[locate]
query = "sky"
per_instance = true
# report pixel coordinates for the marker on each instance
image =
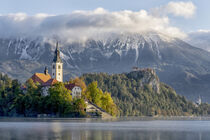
(201, 20)
(175, 16)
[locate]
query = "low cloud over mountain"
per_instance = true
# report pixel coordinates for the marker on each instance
(90, 24)
(107, 41)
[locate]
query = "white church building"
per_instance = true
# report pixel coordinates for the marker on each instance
(46, 80)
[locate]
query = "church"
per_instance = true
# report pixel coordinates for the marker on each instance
(46, 80)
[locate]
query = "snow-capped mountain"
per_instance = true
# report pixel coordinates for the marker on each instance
(200, 39)
(184, 67)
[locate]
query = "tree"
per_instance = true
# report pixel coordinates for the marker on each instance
(80, 82)
(94, 94)
(79, 106)
(108, 104)
(135, 97)
(60, 99)
(103, 100)
(31, 86)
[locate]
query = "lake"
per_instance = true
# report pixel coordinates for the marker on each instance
(111, 129)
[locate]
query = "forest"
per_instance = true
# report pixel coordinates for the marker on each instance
(134, 97)
(15, 102)
(126, 94)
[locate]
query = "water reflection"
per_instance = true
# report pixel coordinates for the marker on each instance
(100, 130)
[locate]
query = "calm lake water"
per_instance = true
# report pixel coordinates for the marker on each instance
(97, 129)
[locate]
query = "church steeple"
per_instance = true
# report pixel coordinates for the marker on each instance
(57, 65)
(57, 55)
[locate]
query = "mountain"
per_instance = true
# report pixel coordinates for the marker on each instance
(199, 39)
(177, 63)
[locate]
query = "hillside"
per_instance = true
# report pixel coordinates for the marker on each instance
(141, 93)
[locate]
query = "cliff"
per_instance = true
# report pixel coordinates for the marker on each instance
(147, 77)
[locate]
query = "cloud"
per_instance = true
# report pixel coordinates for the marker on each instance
(202, 31)
(81, 25)
(183, 9)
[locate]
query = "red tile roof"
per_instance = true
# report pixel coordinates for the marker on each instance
(40, 78)
(71, 86)
(50, 82)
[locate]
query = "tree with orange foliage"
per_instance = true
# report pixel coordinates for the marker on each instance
(80, 82)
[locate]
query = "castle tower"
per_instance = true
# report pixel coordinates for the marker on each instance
(57, 66)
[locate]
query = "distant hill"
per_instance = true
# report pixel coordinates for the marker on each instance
(141, 93)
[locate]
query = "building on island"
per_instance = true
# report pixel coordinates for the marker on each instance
(41, 78)
(198, 102)
(47, 85)
(57, 66)
(76, 90)
(46, 80)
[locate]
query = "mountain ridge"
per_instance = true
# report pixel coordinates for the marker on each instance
(176, 62)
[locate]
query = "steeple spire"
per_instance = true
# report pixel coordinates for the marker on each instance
(57, 45)
(57, 54)
(57, 65)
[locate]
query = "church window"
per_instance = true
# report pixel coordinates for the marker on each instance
(58, 73)
(59, 67)
(53, 66)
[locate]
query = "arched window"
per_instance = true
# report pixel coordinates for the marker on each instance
(53, 66)
(59, 67)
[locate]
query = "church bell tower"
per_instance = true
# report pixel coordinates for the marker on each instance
(57, 66)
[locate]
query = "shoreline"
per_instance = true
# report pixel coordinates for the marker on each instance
(133, 118)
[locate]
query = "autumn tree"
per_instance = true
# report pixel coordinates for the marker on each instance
(108, 104)
(94, 94)
(80, 82)
(103, 100)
